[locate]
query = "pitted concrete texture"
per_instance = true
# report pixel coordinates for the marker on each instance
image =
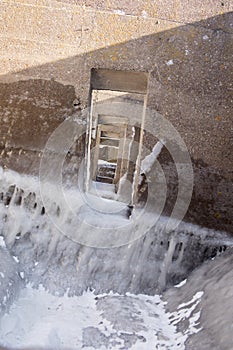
(44, 31)
(175, 10)
(49, 48)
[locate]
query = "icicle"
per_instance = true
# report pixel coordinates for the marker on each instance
(167, 262)
(149, 160)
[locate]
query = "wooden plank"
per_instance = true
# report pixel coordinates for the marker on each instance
(112, 120)
(96, 156)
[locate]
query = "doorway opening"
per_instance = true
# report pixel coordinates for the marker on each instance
(109, 149)
(114, 141)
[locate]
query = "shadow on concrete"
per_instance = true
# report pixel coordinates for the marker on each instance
(190, 84)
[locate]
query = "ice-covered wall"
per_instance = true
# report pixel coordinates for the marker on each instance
(50, 47)
(214, 279)
(47, 256)
(10, 279)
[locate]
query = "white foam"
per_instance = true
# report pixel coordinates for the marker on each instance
(39, 319)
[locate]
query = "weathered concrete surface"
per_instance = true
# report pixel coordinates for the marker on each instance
(216, 321)
(49, 48)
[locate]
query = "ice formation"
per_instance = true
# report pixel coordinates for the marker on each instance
(109, 321)
(49, 257)
(149, 160)
(65, 281)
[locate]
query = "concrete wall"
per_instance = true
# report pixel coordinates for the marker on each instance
(49, 48)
